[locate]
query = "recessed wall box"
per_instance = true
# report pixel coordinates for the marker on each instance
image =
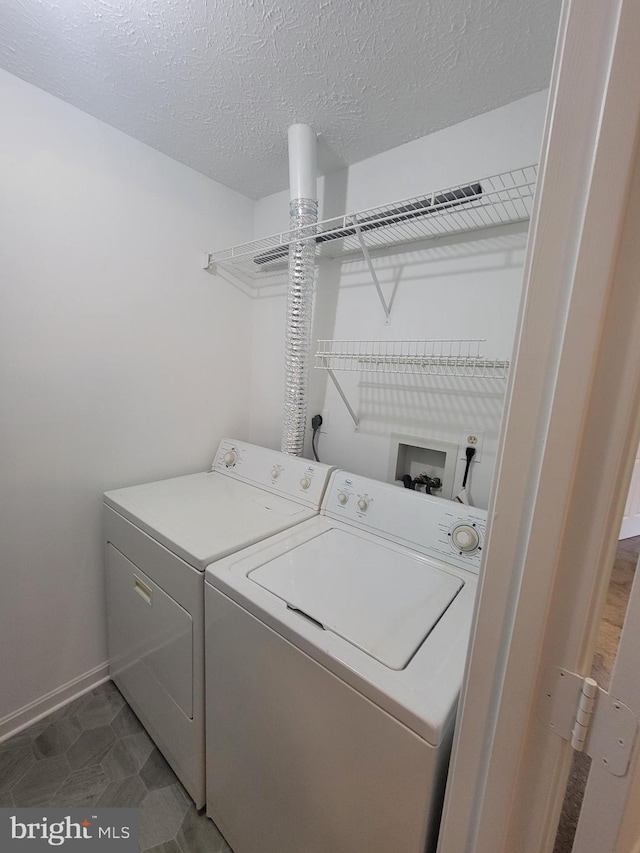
(415, 455)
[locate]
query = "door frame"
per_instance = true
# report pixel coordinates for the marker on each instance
(567, 446)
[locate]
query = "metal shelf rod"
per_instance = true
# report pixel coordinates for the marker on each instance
(372, 270)
(354, 417)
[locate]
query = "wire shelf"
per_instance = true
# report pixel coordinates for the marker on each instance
(494, 200)
(437, 357)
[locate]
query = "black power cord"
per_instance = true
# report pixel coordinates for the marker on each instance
(470, 452)
(316, 423)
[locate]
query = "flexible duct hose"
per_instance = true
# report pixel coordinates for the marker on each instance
(303, 218)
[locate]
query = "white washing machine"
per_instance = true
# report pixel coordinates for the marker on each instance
(334, 658)
(160, 537)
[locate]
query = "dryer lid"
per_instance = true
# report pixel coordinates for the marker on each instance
(203, 517)
(381, 600)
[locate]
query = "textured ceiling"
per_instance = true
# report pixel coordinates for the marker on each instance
(215, 83)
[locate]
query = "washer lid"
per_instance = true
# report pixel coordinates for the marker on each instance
(382, 601)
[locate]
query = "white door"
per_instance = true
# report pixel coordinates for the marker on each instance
(569, 437)
(609, 818)
(631, 518)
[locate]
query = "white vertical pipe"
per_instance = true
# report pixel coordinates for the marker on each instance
(302, 162)
(303, 212)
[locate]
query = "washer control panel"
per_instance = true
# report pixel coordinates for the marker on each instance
(446, 530)
(289, 476)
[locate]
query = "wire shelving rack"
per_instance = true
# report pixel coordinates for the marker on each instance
(491, 201)
(428, 357)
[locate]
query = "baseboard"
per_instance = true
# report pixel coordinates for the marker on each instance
(45, 705)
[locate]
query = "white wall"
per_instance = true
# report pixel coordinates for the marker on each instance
(458, 288)
(121, 362)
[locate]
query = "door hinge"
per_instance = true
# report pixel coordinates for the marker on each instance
(592, 720)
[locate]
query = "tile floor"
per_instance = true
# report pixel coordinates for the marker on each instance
(95, 752)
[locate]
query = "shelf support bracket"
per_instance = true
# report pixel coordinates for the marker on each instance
(354, 417)
(207, 262)
(367, 257)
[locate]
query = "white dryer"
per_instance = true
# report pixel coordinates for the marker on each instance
(160, 537)
(334, 658)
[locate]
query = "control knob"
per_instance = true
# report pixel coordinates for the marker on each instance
(275, 473)
(305, 482)
(465, 538)
(363, 504)
(229, 458)
(343, 497)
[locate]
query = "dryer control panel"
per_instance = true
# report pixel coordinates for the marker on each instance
(289, 476)
(445, 530)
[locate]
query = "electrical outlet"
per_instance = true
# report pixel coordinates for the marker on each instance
(471, 438)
